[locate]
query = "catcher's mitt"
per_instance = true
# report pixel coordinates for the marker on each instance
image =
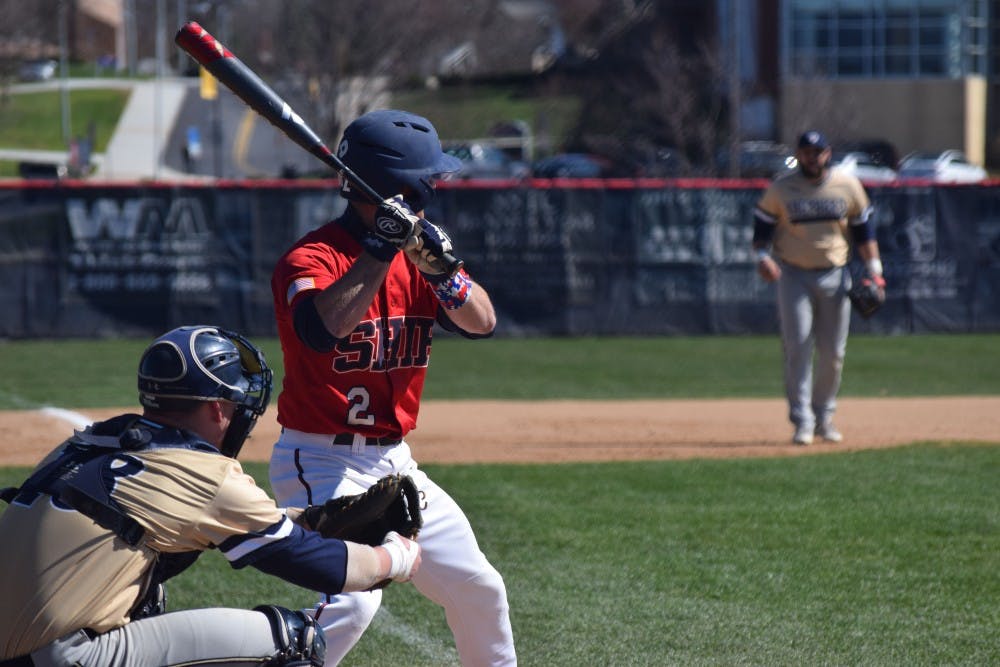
(392, 503)
(867, 295)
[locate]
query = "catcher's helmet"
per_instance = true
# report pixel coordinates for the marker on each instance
(205, 363)
(394, 150)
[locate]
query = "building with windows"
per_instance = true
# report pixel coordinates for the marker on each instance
(916, 73)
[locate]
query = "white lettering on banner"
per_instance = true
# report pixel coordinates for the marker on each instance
(511, 223)
(988, 240)
(735, 286)
(932, 280)
(707, 227)
(139, 245)
(915, 239)
(654, 288)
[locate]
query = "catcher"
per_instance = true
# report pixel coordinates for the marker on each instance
(127, 503)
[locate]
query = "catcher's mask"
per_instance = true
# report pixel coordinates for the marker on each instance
(395, 152)
(206, 363)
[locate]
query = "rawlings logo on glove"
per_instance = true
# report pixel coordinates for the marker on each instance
(395, 222)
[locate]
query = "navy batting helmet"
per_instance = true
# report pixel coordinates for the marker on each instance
(206, 363)
(394, 151)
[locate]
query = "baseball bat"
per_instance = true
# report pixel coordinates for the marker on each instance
(235, 75)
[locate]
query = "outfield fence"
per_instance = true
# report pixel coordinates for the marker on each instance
(580, 257)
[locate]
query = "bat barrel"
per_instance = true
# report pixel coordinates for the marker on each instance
(239, 78)
(197, 41)
(235, 75)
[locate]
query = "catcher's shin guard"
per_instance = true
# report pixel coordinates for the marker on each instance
(300, 640)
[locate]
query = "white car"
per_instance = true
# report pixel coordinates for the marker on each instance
(949, 166)
(864, 167)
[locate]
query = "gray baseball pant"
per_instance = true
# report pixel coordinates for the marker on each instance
(815, 316)
(214, 636)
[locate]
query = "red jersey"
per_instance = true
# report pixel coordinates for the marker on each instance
(371, 382)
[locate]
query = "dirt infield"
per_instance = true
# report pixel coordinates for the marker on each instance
(551, 431)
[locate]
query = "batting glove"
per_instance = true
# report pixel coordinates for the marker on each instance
(430, 245)
(404, 554)
(395, 222)
(378, 247)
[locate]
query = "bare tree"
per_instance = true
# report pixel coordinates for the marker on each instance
(28, 30)
(340, 57)
(814, 103)
(652, 85)
(683, 100)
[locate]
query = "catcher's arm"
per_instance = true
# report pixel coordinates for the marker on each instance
(396, 559)
(386, 516)
(368, 567)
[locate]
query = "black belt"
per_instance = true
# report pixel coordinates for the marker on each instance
(20, 661)
(348, 439)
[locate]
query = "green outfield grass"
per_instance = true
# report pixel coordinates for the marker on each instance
(84, 374)
(880, 557)
(883, 557)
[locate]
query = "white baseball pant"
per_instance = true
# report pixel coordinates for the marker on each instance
(307, 469)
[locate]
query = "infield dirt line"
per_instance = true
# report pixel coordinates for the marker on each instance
(545, 431)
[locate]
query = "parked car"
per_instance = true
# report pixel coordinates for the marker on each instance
(864, 166)
(481, 160)
(950, 166)
(41, 69)
(883, 151)
(42, 170)
(572, 165)
(759, 159)
(658, 162)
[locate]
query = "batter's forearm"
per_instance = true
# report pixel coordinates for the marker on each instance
(343, 304)
(476, 315)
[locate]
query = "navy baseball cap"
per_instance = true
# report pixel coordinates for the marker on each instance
(813, 139)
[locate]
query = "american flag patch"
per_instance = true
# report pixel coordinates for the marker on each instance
(299, 285)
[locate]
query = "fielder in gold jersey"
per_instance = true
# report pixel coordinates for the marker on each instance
(120, 507)
(804, 227)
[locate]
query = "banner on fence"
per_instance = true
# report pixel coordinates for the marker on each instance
(121, 260)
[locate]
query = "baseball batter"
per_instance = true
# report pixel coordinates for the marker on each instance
(122, 506)
(803, 228)
(356, 302)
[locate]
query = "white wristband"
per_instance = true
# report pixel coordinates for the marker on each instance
(762, 254)
(402, 553)
(875, 266)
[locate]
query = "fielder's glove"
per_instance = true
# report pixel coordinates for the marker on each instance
(391, 504)
(867, 294)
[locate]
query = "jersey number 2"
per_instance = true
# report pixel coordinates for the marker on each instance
(358, 413)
